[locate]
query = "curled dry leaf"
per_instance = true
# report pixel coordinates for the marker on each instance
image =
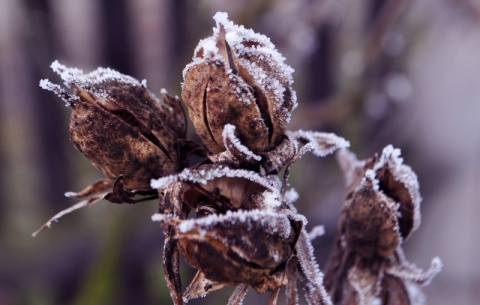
(381, 210)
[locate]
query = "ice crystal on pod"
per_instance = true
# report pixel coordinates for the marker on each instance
(204, 176)
(273, 223)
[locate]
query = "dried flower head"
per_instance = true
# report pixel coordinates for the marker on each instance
(244, 232)
(381, 210)
(237, 77)
(120, 126)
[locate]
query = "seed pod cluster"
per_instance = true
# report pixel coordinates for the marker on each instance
(228, 214)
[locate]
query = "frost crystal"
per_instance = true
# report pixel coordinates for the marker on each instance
(203, 176)
(93, 82)
(232, 143)
(271, 222)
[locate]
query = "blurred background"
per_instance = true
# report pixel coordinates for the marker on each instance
(376, 72)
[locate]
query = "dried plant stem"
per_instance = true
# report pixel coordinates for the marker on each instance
(84, 203)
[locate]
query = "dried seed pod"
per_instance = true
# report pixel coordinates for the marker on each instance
(237, 77)
(221, 188)
(121, 127)
(381, 210)
(242, 247)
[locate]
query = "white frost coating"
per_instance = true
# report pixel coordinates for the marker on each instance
(274, 77)
(271, 223)
(160, 217)
(209, 47)
(203, 176)
(232, 143)
(415, 294)
(291, 195)
(92, 82)
(323, 143)
(144, 83)
(391, 159)
(410, 272)
(59, 91)
(317, 231)
(369, 178)
(271, 200)
(310, 268)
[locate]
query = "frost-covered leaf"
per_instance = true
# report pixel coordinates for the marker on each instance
(319, 143)
(409, 272)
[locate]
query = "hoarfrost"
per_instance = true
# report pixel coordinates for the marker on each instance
(404, 174)
(320, 143)
(246, 46)
(59, 91)
(233, 144)
(410, 272)
(272, 223)
(317, 231)
(316, 293)
(271, 200)
(291, 195)
(203, 176)
(92, 82)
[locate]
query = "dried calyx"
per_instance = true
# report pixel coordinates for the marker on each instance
(238, 78)
(121, 127)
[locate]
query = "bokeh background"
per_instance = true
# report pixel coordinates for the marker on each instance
(373, 71)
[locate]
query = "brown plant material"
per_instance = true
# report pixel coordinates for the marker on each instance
(245, 232)
(229, 215)
(381, 210)
(121, 127)
(237, 77)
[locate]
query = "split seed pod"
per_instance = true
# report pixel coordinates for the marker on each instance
(237, 77)
(242, 247)
(120, 126)
(383, 203)
(381, 210)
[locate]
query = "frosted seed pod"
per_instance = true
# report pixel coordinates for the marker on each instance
(237, 77)
(120, 126)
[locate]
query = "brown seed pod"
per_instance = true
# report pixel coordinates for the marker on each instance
(381, 210)
(243, 247)
(121, 127)
(237, 77)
